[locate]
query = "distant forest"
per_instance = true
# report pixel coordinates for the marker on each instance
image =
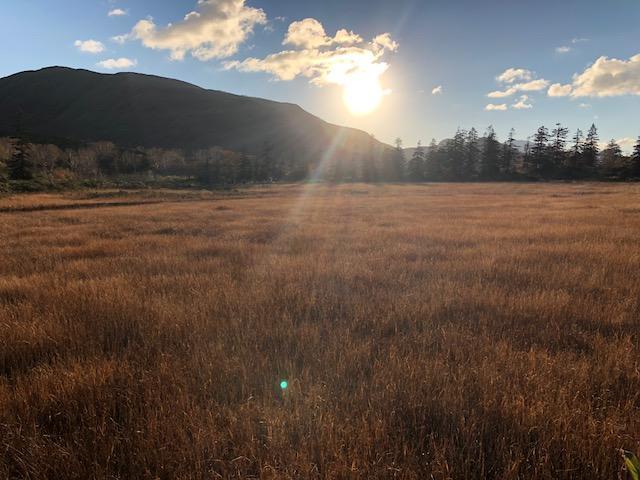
(548, 155)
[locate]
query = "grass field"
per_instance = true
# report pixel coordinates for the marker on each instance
(425, 331)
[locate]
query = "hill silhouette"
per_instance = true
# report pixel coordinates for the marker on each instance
(59, 104)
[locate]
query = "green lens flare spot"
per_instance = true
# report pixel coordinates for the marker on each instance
(284, 384)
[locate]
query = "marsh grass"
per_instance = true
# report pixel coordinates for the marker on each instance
(430, 331)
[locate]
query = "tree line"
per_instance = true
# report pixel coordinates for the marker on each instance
(467, 156)
(547, 155)
(25, 162)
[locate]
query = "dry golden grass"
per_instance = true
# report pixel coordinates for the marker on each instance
(433, 331)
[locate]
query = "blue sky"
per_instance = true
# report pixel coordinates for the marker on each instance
(460, 46)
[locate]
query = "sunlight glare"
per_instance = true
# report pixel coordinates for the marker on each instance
(363, 94)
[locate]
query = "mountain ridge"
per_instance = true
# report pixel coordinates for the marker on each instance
(134, 109)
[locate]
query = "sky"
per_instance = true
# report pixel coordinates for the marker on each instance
(414, 69)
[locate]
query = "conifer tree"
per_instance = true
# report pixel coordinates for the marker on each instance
(574, 159)
(590, 151)
(416, 167)
(456, 156)
(433, 162)
(20, 165)
(539, 152)
(397, 161)
(612, 160)
(490, 155)
(558, 149)
(472, 155)
(634, 164)
(508, 155)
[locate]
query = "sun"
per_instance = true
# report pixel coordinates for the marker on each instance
(363, 94)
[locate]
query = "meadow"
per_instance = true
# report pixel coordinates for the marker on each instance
(433, 331)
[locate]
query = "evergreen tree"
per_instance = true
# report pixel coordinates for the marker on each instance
(590, 151)
(20, 165)
(456, 156)
(433, 162)
(416, 167)
(574, 160)
(634, 164)
(539, 152)
(490, 155)
(508, 155)
(472, 155)
(558, 149)
(397, 161)
(612, 160)
(369, 167)
(527, 159)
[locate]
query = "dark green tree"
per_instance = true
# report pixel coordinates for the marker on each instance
(527, 159)
(540, 152)
(397, 162)
(456, 152)
(21, 166)
(472, 159)
(369, 167)
(590, 151)
(634, 161)
(574, 159)
(433, 170)
(612, 160)
(416, 167)
(490, 155)
(558, 154)
(508, 155)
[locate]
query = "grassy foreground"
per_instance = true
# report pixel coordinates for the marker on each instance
(430, 331)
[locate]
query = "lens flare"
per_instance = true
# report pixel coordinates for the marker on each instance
(284, 384)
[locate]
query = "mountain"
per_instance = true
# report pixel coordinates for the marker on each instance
(58, 104)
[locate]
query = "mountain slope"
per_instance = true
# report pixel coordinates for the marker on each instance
(132, 109)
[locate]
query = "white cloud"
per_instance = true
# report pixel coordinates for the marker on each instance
(437, 90)
(563, 49)
(322, 59)
(89, 46)
(627, 144)
(345, 37)
(608, 77)
(494, 106)
(522, 104)
(216, 30)
(532, 86)
(120, 38)
(516, 80)
(559, 90)
(117, 63)
(502, 93)
(585, 105)
(309, 33)
(117, 12)
(579, 40)
(510, 75)
(384, 42)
